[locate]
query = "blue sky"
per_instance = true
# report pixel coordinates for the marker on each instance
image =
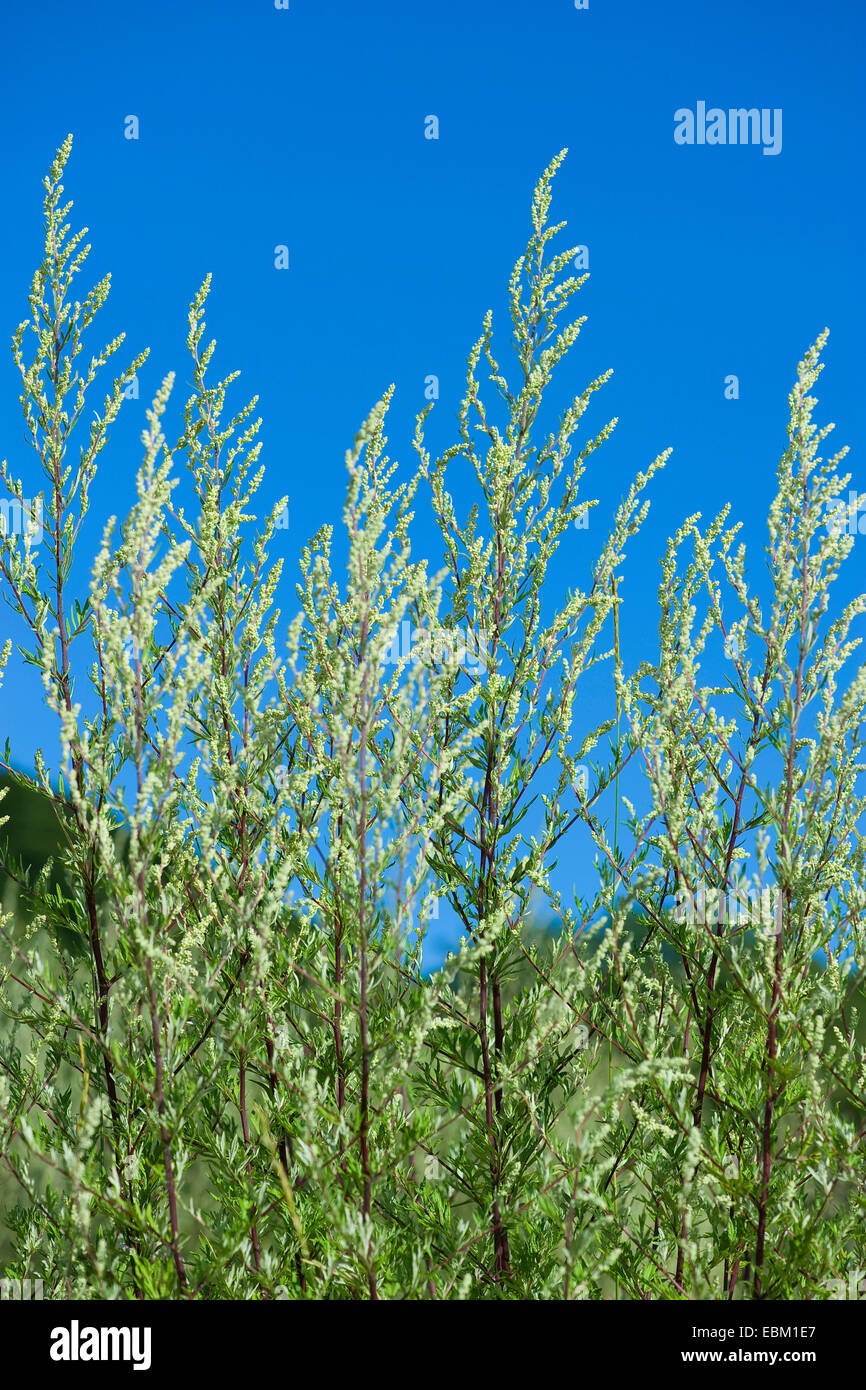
(306, 127)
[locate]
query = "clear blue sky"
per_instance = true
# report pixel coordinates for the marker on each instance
(306, 127)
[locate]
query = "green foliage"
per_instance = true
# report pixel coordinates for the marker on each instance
(224, 1070)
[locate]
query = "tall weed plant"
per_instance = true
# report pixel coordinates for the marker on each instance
(225, 1072)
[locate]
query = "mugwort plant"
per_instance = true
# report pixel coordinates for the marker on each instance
(225, 1071)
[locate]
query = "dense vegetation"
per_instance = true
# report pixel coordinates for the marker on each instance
(224, 1070)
